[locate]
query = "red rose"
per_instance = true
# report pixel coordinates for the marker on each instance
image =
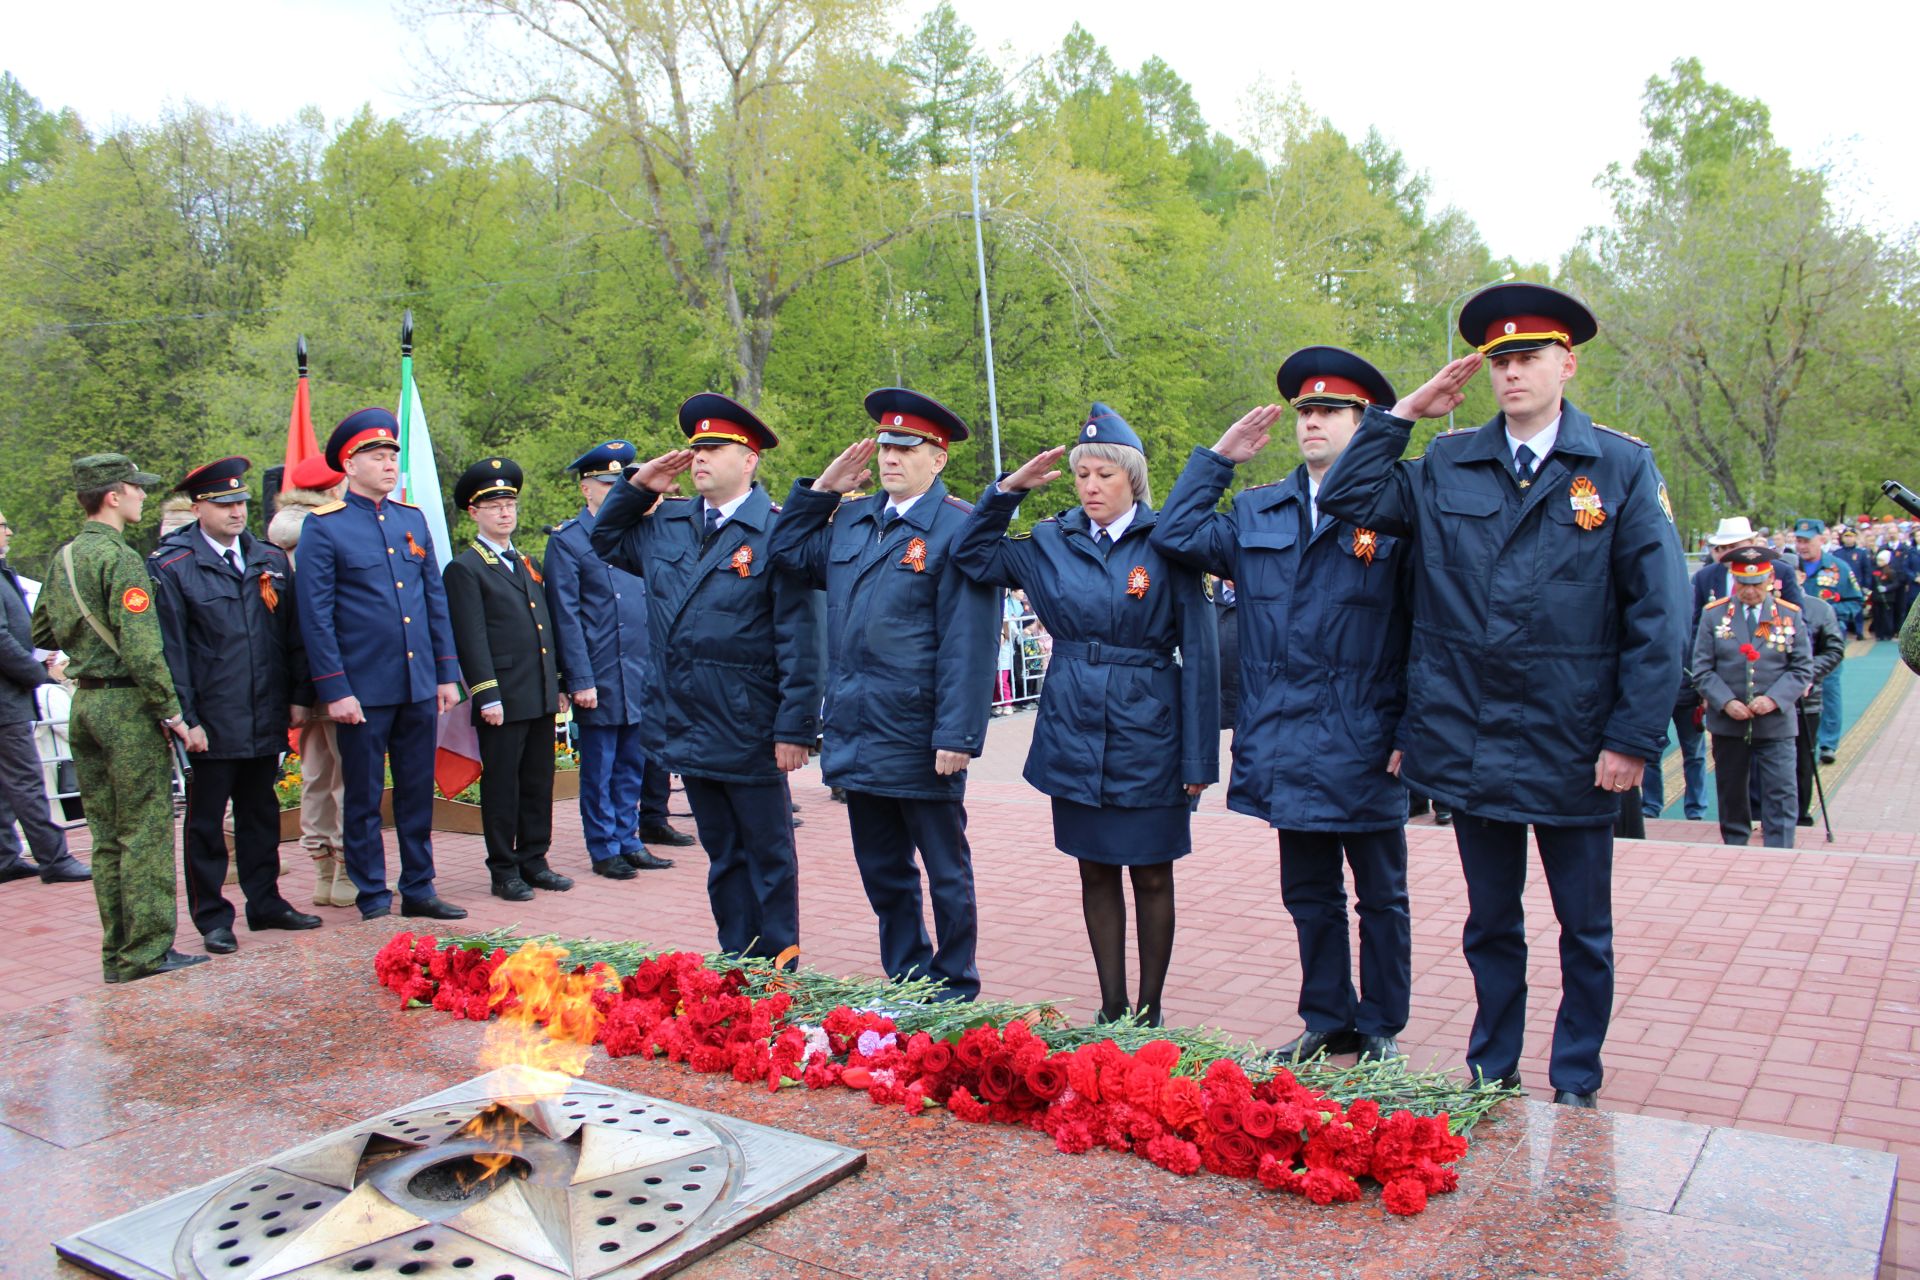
(974, 1047)
(1257, 1118)
(1236, 1154)
(997, 1077)
(1224, 1115)
(1405, 1196)
(937, 1059)
(1047, 1079)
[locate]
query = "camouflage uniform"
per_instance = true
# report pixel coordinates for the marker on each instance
(1910, 639)
(119, 749)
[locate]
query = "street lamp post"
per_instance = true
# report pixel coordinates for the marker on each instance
(1458, 297)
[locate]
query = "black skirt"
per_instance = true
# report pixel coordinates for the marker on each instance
(1122, 837)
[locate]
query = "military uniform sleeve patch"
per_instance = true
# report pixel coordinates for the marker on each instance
(1666, 504)
(135, 600)
(329, 508)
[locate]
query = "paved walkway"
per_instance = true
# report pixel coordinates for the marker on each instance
(1767, 989)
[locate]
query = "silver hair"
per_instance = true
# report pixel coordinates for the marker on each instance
(1130, 460)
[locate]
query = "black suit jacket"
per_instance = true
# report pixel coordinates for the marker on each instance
(20, 675)
(503, 633)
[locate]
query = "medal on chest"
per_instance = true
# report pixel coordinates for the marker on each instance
(1725, 630)
(1588, 512)
(916, 557)
(1366, 543)
(1138, 582)
(742, 561)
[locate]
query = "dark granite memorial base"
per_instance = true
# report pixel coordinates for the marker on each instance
(118, 1099)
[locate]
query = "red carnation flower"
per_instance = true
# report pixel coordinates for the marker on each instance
(1275, 1175)
(1750, 653)
(1181, 1103)
(969, 1108)
(1161, 1055)
(1074, 1139)
(1174, 1155)
(1329, 1186)
(1405, 1196)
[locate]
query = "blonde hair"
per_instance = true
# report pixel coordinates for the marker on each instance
(1128, 459)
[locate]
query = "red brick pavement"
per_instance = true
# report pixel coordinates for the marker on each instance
(1772, 990)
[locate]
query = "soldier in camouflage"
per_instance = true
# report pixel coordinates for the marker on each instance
(97, 605)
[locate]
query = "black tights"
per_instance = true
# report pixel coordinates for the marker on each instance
(1105, 906)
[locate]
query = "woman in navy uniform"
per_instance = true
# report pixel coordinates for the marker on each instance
(497, 597)
(912, 643)
(1549, 606)
(1127, 730)
(600, 621)
(734, 657)
(1324, 625)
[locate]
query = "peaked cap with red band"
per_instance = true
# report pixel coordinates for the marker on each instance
(217, 481)
(713, 419)
(1521, 317)
(1334, 377)
(907, 418)
(361, 430)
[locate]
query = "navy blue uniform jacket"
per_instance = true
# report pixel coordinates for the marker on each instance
(600, 618)
(373, 609)
(1120, 722)
(911, 650)
(1323, 648)
(733, 657)
(237, 662)
(1536, 643)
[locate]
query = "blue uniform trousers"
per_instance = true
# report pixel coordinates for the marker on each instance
(1830, 713)
(886, 831)
(1693, 770)
(753, 878)
(1313, 887)
(1579, 865)
(612, 772)
(405, 732)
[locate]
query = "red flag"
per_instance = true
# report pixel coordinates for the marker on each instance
(301, 443)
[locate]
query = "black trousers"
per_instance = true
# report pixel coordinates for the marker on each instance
(753, 877)
(1579, 866)
(886, 831)
(1804, 761)
(1313, 887)
(656, 784)
(516, 795)
(23, 796)
(256, 840)
(1771, 763)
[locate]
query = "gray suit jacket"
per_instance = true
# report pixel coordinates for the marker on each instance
(20, 675)
(1722, 673)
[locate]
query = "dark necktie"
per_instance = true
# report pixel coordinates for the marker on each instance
(1523, 461)
(891, 518)
(713, 523)
(1753, 618)
(1102, 543)
(508, 556)
(233, 559)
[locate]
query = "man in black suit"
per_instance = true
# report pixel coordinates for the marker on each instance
(1712, 581)
(501, 629)
(22, 792)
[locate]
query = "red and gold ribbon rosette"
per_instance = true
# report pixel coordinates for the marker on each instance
(742, 561)
(1366, 544)
(916, 557)
(1585, 501)
(414, 549)
(1138, 582)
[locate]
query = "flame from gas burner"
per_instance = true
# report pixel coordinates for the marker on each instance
(548, 1020)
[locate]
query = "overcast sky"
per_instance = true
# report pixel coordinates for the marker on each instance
(1511, 110)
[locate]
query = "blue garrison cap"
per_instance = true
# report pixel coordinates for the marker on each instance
(1808, 527)
(604, 461)
(1104, 426)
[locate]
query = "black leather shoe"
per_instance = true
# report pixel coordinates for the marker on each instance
(18, 871)
(1378, 1049)
(1442, 817)
(661, 833)
(514, 890)
(171, 962)
(1566, 1099)
(72, 871)
(615, 868)
(377, 913)
(288, 919)
(642, 860)
(219, 942)
(1308, 1043)
(1827, 757)
(1804, 821)
(436, 909)
(552, 881)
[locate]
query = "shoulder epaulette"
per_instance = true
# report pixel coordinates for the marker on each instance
(568, 523)
(1714, 604)
(164, 563)
(329, 508)
(1787, 604)
(1624, 435)
(961, 503)
(852, 495)
(1456, 431)
(1268, 485)
(399, 502)
(485, 555)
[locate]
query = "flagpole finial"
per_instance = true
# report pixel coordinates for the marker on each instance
(406, 333)
(300, 354)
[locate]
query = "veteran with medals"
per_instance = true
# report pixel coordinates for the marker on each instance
(911, 643)
(1324, 625)
(1752, 663)
(733, 658)
(1549, 619)
(1129, 722)
(497, 598)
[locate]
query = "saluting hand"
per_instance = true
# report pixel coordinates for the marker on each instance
(1037, 471)
(1442, 393)
(660, 474)
(1249, 436)
(849, 471)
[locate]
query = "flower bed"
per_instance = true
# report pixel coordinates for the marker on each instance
(1185, 1100)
